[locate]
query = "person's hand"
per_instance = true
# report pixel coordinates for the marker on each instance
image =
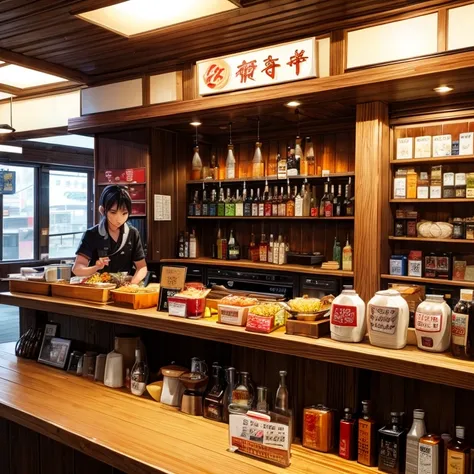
(102, 262)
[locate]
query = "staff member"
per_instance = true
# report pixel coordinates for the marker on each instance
(112, 244)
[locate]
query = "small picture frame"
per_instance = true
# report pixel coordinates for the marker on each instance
(54, 352)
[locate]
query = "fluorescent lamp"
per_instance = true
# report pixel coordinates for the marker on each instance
(22, 77)
(11, 149)
(133, 17)
(443, 89)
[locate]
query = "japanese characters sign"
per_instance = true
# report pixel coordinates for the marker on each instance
(261, 67)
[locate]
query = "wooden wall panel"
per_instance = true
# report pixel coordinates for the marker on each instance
(372, 194)
(55, 458)
(4, 446)
(24, 450)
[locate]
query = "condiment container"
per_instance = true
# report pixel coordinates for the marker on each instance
(433, 324)
(113, 376)
(172, 387)
(348, 323)
(318, 429)
(388, 318)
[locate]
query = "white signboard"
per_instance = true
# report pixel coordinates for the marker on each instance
(162, 207)
(260, 67)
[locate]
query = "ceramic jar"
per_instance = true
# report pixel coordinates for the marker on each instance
(348, 323)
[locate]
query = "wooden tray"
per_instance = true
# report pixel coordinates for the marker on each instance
(28, 286)
(135, 300)
(79, 292)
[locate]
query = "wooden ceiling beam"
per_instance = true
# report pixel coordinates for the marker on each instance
(43, 66)
(10, 89)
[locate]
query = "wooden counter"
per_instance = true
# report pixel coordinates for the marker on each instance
(409, 362)
(135, 435)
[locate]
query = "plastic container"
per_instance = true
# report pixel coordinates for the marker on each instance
(387, 319)
(433, 324)
(348, 323)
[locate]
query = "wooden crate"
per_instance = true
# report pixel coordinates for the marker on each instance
(79, 292)
(32, 287)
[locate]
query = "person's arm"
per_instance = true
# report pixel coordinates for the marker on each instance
(81, 266)
(140, 272)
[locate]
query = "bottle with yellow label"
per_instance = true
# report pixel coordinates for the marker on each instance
(458, 454)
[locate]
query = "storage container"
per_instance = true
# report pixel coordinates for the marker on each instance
(348, 323)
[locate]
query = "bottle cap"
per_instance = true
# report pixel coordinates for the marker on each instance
(418, 414)
(460, 432)
(347, 413)
(283, 373)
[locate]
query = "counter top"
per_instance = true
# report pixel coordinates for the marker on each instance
(135, 435)
(408, 362)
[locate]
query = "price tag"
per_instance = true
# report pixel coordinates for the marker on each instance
(177, 309)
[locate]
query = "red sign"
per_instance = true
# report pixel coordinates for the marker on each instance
(259, 323)
(137, 192)
(122, 176)
(342, 315)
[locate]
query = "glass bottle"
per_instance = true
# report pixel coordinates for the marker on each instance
(367, 437)
(282, 402)
(392, 446)
(233, 247)
(254, 204)
(348, 436)
(239, 205)
(229, 209)
(310, 157)
(262, 404)
(139, 375)
(301, 164)
(271, 243)
(281, 204)
(458, 454)
(247, 203)
(292, 168)
(214, 167)
(417, 431)
(276, 250)
(322, 203)
(263, 248)
(221, 204)
(254, 254)
(290, 204)
(257, 163)
(261, 204)
(347, 256)
(336, 252)
(214, 399)
(230, 379)
(462, 327)
(431, 455)
(181, 245)
(329, 204)
(196, 166)
(348, 203)
(273, 166)
(275, 202)
(197, 204)
(281, 251)
(205, 204)
(213, 204)
(339, 202)
(219, 244)
(299, 202)
(282, 170)
(230, 163)
(268, 203)
(311, 209)
(193, 245)
(242, 394)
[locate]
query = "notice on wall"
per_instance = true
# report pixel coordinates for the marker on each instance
(162, 207)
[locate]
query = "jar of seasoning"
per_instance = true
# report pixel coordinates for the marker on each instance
(400, 228)
(318, 428)
(411, 228)
(470, 228)
(458, 228)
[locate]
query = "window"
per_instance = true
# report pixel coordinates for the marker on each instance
(68, 212)
(18, 216)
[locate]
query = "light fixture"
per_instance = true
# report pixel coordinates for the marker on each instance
(4, 127)
(443, 89)
(196, 124)
(23, 77)
(293, 103)
(133, 17)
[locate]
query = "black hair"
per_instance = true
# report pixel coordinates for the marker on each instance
(114, 194)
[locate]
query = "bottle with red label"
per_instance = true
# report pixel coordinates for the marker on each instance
(462, 327)
(348, 436)
(348, 322)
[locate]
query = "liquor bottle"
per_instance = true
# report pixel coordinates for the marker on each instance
(281, 204)
(273, 166)
(431, 455)
(366, 436)
(276, 250)
(300, 158)
(230, 163)
(392, 446)
(214, 167)
(275, 202)
(314, 204)
(348, 202)
(458, 454)
(338, 202)
(299, 203)
(292, 166)
(329, 204)
(322, 203)
(196, 166)
(181, 245)
(229, 210)
(192, 245)
(262, 403)
(268, 203)
(219, 244)
(230, 380)
(186, 245)
(247, 203)
(261, 204)
(243, 392)
(336, 252)
(282, 400)
(270, 249)
(254, 204)
(205, 204)
(287, 249)
(348, 436)
(239, 205)
(191, 206)
(254, 254)
(417, 431)
(224, 248)
(213, 406)
(257, 163)
(347, 256)
(213, 204)
(462, 327)
(290, 203)
(263, 248)
(221, 204)
(233, 247)
(282, 170)
(139, 375)
(309, 149)
(281, 251)
(197, 204)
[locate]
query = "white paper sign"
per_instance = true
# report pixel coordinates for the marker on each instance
(177, 309)
(383, 319)
(466, 143)
(162, 207)
(260, 67)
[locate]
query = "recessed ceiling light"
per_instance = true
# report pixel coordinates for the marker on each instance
(293, 103)
(443, 89)
(195, 124)
(22, 77)
(133, 17)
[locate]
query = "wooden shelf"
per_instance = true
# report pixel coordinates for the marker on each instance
(433, 281)
(431, 201)
(408, 362)
(433, 161)
(133, 434)
(421, 239)
(346, 174)
(247, 264)
(339, 218)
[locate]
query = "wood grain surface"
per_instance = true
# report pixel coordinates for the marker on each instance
(409, 362)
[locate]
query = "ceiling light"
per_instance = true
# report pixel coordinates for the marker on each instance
(133, 17)
(22, 77)
(4, 127)
(443, 89)
(11, 149)
(196, 124)
(293, 103)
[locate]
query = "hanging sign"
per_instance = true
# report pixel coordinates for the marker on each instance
(260, 67)
(7, 182)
